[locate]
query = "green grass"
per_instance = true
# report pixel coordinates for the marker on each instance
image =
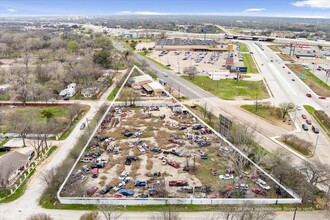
(311, 111)
(229, 89)
(113, 93)
(57, 111)
(243, 47)
(154, 61)
(249, 63)
(68, 131)
(19, 192)
(314, 83)
(269, 113)
(4, 141)
(297, 148)
(199, 111)
(51, 150)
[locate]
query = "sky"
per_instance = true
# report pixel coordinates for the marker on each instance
(278, 8)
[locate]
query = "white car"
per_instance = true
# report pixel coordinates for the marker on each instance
(226, 177)
(123, 175)
(165, 74)
(262, 184)
(141, 148)
(298, 107)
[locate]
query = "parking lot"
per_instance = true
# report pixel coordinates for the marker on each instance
(163, 152)
(203, 60)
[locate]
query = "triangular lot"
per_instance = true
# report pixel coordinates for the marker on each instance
(151, 149)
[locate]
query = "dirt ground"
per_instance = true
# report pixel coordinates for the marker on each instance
(158, 132)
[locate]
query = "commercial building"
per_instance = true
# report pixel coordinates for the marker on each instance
(192, 45)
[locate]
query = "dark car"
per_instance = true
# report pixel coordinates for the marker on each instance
(309, 122)
(143, 196)
(97, 165)
(183, 128)
(280, 191)
(156, 150)
(106, 189)
(305, 127)
(308, 95)
(4, 149)
(322, 97)
(315, 129)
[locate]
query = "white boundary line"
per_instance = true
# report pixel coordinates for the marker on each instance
(296, 198)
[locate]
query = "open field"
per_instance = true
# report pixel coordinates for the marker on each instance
(312, 81)
(230, 89)
(249, 63)
(270, 114)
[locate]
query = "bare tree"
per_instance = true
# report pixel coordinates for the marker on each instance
(166, 214)
(111, 212)
(286, 108)
(21, 124)
(190, 71)
(21, 83)
(90, 216)
(73, 111)
(242, 134)
(40, 216)
(316, 172)
(124, 95)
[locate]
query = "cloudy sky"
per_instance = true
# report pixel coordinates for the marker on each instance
(283, 8)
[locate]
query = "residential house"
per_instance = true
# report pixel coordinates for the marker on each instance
(12, 164)
(89, 92)
(69, 91)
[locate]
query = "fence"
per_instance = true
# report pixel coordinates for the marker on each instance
(175, 201)
(163, 201)
(26, 173)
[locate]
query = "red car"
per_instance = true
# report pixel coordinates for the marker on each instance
(303, 116)
(308, 95)
(119, 196)
(309, 122)
(259, 191)
(322, 97)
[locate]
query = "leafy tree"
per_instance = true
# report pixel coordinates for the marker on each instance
(47, 114)
(101, 58)
(72, 46)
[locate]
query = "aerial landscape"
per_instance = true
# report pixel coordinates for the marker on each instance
(165, 111)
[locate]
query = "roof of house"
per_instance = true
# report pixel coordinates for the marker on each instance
(142, 78)
(147, 88)
(11, 162)
(155, 86)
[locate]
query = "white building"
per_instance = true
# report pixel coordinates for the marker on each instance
(69, 91)
(217, 75)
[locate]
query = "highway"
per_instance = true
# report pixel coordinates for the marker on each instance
(286, 90)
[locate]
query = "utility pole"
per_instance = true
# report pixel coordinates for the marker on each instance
(294, 214)
(256, 103)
